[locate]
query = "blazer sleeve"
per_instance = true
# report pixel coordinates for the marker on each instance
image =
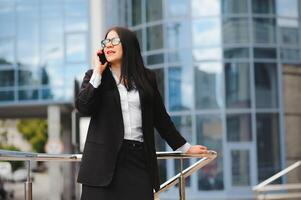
(85, 101)
(163, 122)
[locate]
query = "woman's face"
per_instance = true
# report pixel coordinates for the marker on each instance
(112, 52)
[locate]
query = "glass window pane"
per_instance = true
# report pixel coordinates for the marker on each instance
(7, 19)
(205, 7)
(176, 8)
(155, 59)
(263, 7)
(264, 30)
(7, 95)
(207, 54)
(231, 53)
(209, 133)
(140, 39)
(178, 34)
(153, 10)
(28, 76)
(160, 81)
(7, 78)
(235, 30)
(268, 146)
(290, 54)
(182, 56)
(53, 94)
(28, 19)
(53, 75)
(239, 128)
(288, 8)
(269, 53)
(180, 88)
(206, 32)
(240, 160)
(237, 85)
(136, 12)
(154, 37)
(208, 85)
(76, 15)
(7, 53)
(289, 31)
(235, 6)
(76, 47)
(29, 94)
(266, 85)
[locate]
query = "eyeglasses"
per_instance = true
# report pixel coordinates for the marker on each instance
(114, 41)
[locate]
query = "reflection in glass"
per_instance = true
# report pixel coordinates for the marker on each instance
(178, 34)
(235, 6)
(53, 93)
(266, 85)
(28, 39)
(7, 78)
(76, 47)
(205, 8)
(154, 37)
(53, 75)
(240, 160)
(139, 37)
(237, 83)
(209, 133)
(290, 54)
(176, 8)
(269, 53)
(235, 30)
(208, 85)
(153, 10)
(7, 53)
(207, 54)
(183, 125)
(28, 76)
(263, 7)
(136, 12)
(7, 95)
(288, 8)
(7, 18)
(289, 31)
(76, 15)
(206, 32)
(239, 128)
(182, 56)
(268, 146)
(264, 30)
(160, 81)
(155, 59)
(29, 94)
(180, 88)
(231, 53)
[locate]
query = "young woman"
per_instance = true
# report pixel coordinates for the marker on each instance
(121, 96)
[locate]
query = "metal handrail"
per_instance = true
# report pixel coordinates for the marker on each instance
(179, 178)
(265, 187)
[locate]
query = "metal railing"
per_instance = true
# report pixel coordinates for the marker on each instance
(279, 191)
(179, 178)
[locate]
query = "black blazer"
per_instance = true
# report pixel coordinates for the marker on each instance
(106, 129)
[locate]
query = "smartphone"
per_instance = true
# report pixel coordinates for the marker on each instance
(102, 58)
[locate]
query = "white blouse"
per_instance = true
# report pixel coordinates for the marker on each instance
(131, 111)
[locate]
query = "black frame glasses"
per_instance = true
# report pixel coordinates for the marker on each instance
(114, 41)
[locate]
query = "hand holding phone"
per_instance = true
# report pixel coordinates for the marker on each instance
(100, 61)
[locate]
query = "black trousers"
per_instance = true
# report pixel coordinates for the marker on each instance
(131, 181)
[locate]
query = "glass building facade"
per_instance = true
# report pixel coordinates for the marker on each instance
(43, 47)
(219, 66)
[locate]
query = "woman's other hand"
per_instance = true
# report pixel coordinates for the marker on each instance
(197, 149)
(98, 66)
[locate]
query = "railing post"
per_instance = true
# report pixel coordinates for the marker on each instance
(28, 183)
(181, 182)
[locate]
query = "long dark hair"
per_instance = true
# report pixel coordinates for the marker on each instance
(133, 70)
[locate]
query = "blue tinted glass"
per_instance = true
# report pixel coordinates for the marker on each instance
(176, 8)
(7, 78)
(205, 7)
(269, 53)
(264, 30)
(153, 10)
(183, 57)
(263, 7)
(53, 93)
(239, 127)
(155, 59)
(29, 94)
(206, 32)
(235, 6)
(7, 54)
(154, 37)
(208, 85)
(288, 8)
(289, 31)
(7, 19)
(290, 55)
(180, 88)
(234, 53)
(210, 133)
(76, 15)
(207, 54)
(53, 75)
(7, 95)
(178, 34)
(136, 12)
(76, 47)
(29, 76)
(236, 30)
